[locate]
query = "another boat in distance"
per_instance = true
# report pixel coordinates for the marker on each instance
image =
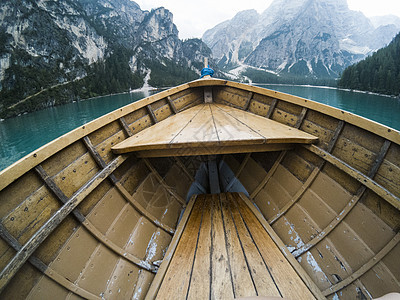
(209, 190)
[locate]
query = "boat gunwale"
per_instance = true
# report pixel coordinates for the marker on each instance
(379, 129)
(28, 162)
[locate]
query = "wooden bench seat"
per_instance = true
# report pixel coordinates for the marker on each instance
(209, 129)
(225, 253)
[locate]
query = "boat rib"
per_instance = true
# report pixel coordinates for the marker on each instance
(225, 190)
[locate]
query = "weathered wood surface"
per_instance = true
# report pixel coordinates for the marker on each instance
(25, 164)
(335, 219)
(220, 265)
(162, 182)
(366, 267)
(153, 290)
(28, 162)
(210, 126)
(365, 180)
(274, 240)
(35, 241)
(49, 272)
(225, 252)
(318, 195)
(206, 150)
(182, 261)
(348, 117)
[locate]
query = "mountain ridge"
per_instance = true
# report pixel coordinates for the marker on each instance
(66, 50)
(316, 38)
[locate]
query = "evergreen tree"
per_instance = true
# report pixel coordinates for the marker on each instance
(379, 73)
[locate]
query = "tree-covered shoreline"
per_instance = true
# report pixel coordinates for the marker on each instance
(378, 73)
(57, 52)
(103, 78)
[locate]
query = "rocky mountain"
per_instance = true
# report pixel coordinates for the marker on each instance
(385, 20)
(53, 52)
(317, 38)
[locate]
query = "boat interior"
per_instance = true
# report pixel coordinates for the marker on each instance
(210, 190)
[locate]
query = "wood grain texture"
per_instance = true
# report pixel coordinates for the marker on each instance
(221, 283)
(280, 246)
(31, 160)
(363, 179)
(143, 210)
(200, 281)
(83, 173)
(34, 242)
(260, 273)
(366, 267)
(289, 283)
(242, 281)
(381, 130)
(162, 182)
(212, 126)
(160, 135)
(177, 278)
(155, 285)
(225, 253)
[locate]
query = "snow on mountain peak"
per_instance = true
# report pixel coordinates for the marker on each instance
(313, 36)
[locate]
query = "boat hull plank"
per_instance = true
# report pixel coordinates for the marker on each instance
(231, 96)
(185, 99)
(221, 284)
(254, 178)
(388, 174)
(254, 265)
(163, 112)
(155, 285)
(264, 285)
(138, 121)
(290, 282)
(262, 105)
(201, 279)
(178, 276)
(334, 255)
(331, 208)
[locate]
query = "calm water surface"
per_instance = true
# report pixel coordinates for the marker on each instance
(21, 135)
(384, 110)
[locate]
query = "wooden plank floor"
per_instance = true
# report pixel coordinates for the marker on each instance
(225, 253)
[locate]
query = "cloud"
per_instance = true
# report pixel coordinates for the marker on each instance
(193, 18)
(376, 8)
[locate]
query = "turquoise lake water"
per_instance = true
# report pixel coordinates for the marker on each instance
(384, 110)
(21, 135)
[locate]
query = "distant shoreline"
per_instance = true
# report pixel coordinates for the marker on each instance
(154, 89)
(331, 88)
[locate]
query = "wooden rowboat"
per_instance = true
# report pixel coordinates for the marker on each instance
(212, 189)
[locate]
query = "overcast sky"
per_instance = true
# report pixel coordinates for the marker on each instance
(193, 18)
